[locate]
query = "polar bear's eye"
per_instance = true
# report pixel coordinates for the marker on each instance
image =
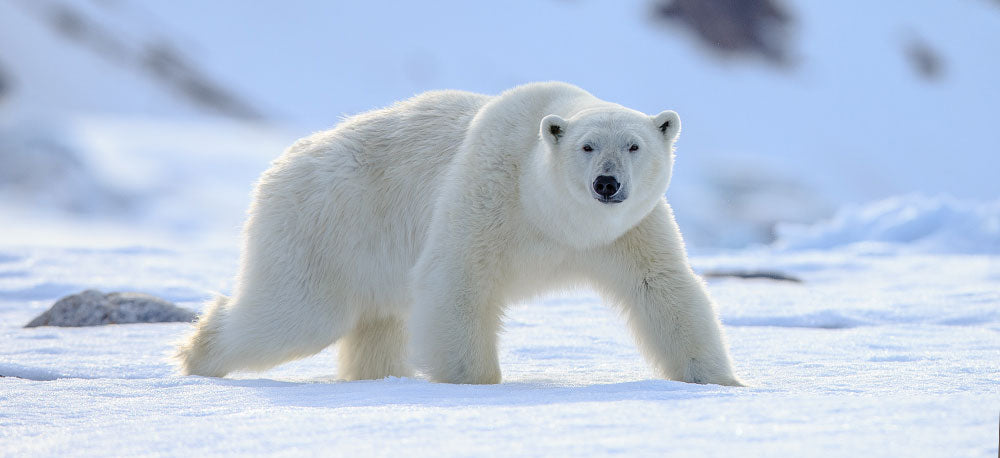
(588, 148)
(633, 148)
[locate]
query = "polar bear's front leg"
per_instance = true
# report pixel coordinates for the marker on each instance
(454, 322)
(667, 306)
(675, 326)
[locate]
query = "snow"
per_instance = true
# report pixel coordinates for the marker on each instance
(51, 78)
(875, 354)
(921, 223)
(875, 187)
(134, 179)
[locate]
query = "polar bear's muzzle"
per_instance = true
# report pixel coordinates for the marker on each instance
(606, 189)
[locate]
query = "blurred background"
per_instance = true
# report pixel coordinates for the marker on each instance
(128, 121)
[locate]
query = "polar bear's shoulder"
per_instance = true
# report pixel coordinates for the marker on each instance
(443, 103)
(515, 114)
(550, 88)
(445, 100)
(544, 96)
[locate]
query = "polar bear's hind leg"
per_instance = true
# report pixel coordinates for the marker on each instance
(247, 336)
(374, 349)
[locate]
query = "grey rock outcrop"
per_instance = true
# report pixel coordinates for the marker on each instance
(93, 308)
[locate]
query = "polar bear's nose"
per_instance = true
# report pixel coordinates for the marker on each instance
(606, 186)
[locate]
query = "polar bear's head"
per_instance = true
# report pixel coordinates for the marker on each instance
(610, 164)
(608, 155)
(611, 154)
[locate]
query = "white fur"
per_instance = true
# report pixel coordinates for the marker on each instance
(452, 205)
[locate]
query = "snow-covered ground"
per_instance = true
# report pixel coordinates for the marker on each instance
(875, 187)
(875, 353)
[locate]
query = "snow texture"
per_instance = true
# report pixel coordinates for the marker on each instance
(874, 354)
(935, 225)
(93, 308)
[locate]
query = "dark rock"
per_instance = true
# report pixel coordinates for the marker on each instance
(752, 274)
(757, 27)
(926, 62)
(4, 85)
(93, 308)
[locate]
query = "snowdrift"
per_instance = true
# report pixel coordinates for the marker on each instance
(941, 224)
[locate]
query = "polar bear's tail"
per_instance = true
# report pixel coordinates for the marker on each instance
(200, 354)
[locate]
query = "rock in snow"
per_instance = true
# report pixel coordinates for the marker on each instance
(94, 308)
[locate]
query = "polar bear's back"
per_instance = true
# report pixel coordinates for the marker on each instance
(354, 202)
(352, 206)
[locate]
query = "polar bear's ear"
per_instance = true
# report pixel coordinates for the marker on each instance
(553, 128)
(669, 124)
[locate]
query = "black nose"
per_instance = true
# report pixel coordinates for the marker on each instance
(606, 186)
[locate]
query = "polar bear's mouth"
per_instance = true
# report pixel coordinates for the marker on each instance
(610, 200)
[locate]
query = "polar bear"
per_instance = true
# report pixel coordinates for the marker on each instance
(414, 226)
